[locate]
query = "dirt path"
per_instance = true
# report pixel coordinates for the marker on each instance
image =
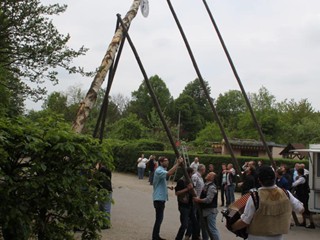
(133, 214)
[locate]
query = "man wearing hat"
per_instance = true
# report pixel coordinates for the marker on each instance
(271, 218)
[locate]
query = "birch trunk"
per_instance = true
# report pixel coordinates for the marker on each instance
(90, 99)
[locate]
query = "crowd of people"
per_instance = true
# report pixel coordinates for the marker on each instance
(198, 199)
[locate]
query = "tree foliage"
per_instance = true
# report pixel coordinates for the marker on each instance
(142, 102)
(31, 48)
(128, 128)
(48, 186)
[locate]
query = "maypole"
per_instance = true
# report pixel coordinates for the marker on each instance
(90, 99)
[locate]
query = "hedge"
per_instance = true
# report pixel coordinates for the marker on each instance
(125, 156)
(126, 153)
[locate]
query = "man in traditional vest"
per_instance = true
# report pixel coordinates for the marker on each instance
(208, 202)
(271, 218)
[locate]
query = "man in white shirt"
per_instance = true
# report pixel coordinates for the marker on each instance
(272, 217)
(141, 164)
(195, 164)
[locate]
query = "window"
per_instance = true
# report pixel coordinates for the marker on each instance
(250, 153)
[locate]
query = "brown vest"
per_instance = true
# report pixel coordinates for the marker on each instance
(273, 215)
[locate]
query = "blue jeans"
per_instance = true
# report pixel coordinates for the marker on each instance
(140, 172)
(230, 193)
(212, 227)
(159, 207)
(186, 214)
(106, 207)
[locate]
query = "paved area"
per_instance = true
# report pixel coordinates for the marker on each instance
(133, 214)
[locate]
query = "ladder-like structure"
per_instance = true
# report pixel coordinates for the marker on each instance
(183, 150)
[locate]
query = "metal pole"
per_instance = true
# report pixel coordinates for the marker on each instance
(153, 96)
(179, 125)
(155, 101)
(240, 85)
(195, 65)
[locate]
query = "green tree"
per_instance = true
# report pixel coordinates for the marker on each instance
(11, 97)
(191, 122)
(48, 186)
(56, 102)
(230, 106)
(128, 128)
(142, 103)
(292, 116)
(31, 48)
(195, 91)
(211, 133)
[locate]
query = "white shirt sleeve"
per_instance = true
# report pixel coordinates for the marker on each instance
(297, 206)
(249, 211)
(300, 180)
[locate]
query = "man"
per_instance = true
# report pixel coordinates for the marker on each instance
(195, 164)
(185, 204)
(249, 181)
(294, 172)
(305, 171)
(248, 164)
(273, 215)
(151, 168)
(302, 191)
(281, 181)
(286, 174)
(198, 185)
(160, 192)
(208, 203)
(141, 165)
(210, 168)
(230, 186)
(223, 182)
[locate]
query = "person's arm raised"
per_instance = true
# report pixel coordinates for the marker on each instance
(175, 166)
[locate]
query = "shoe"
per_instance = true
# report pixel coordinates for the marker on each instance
(311, 226)
(186, 238)
(302, 224)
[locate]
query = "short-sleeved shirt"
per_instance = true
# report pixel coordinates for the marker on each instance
(160, 190)
(198, 183)
(181, 184)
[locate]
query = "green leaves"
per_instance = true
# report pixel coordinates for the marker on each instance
(47, 179)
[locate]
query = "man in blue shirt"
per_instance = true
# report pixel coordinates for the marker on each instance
(160, 192)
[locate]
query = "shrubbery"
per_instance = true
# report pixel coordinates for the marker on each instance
(47, 185)
(126, 153)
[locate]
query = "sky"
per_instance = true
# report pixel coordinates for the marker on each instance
(273, 43)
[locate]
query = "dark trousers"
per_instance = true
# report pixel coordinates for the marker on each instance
(222, 194)
(151, 174)
(186, 217)
(159, 207)
(194, 227)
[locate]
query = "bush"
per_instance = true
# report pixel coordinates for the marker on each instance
(48, 187)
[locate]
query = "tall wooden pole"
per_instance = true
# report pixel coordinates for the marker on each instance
(90, 99)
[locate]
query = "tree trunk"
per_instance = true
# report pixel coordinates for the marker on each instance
(91, 97)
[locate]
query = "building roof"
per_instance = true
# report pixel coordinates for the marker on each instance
(292, 146)
(251, 143)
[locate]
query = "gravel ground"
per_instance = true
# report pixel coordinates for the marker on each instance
(133, 214)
